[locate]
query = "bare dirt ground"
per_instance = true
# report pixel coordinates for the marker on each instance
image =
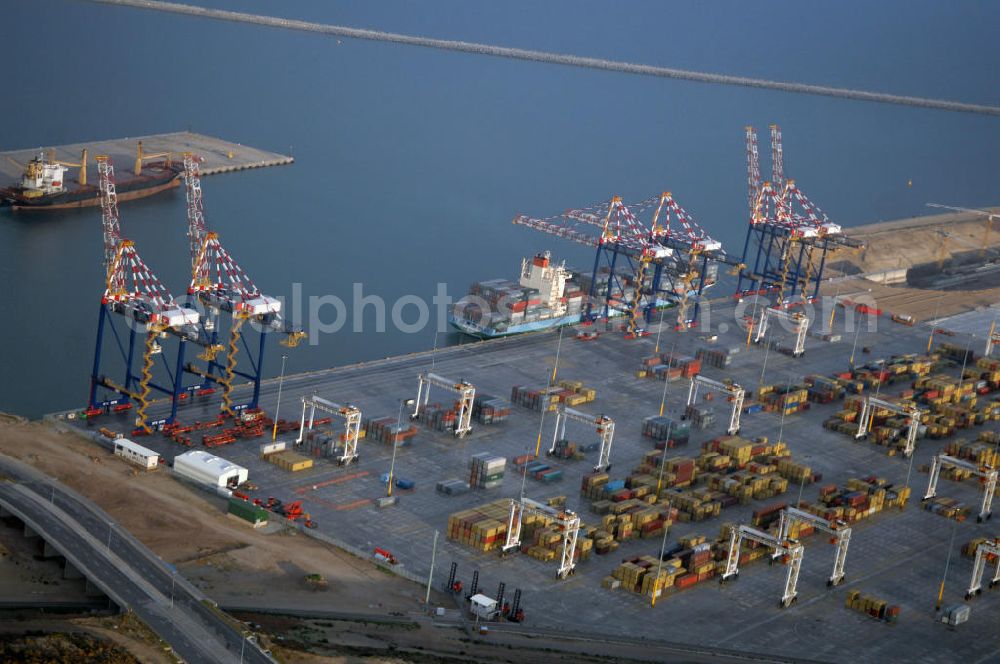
(114, 633)
(903, 243)
(235, 564)
(230, 561)
(917, 245)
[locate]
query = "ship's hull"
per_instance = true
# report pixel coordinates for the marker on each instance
(89, 196)
(474, 330)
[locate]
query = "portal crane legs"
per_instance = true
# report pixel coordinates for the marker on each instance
(605, 429)
(801, 325)
(349, 414)
(988, 548)
(868, 413)
(735, 393)
(791, 549)
(466, 392)
(838, 529)
(987, 474)
(568, 522)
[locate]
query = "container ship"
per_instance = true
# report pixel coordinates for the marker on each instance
(546, 295)
(44, 185)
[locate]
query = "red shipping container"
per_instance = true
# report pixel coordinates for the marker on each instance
(686, 581)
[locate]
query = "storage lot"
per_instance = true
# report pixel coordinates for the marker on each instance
(897, 555)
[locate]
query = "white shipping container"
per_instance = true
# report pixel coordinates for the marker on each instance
(208, 469)
(271, 448)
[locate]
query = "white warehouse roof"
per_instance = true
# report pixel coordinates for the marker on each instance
(202, 466)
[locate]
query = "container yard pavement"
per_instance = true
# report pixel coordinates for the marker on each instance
(898, 556)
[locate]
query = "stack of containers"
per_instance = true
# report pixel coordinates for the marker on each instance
(385, 430)
(489, 410)
(666, 431)
(983, 451)
(452, 487)
(700, 416)
(535, 398)
(487, 470)
(290, 461)
(872, 606)
(823, 390)
(483, 528)
(573, 298)
(719, 358)
(437, 417)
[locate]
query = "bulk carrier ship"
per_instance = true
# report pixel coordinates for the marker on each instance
(44, 186)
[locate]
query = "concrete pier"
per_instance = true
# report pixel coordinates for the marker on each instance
(220, 156)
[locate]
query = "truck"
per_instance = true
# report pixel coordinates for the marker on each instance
(384, 556)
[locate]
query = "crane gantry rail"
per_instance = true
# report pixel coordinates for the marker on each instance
(466, 397)
(798, 319)
(868, 415)
(734, 392)
(989, 549)
(837, 529)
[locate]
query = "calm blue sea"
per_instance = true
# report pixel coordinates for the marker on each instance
(410, 163)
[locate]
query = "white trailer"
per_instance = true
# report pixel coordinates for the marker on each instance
(136, 454)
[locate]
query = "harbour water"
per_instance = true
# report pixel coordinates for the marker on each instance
(411, 163)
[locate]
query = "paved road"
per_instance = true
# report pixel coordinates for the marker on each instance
(131, 574)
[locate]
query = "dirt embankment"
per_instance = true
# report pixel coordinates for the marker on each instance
(230, 561)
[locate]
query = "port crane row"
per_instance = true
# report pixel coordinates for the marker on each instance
(788, 550)
(784, 255)
(646, 267)
(137, 301)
